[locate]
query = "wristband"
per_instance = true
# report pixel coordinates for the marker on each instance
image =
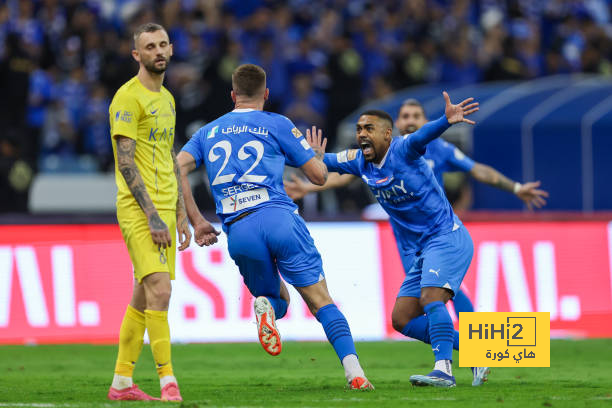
(517, 187)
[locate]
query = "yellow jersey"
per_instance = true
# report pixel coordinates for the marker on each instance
(149, 118)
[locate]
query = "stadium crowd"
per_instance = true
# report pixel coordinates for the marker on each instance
(61, 61)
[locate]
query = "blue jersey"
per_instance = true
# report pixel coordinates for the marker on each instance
(443, 157)
(405, 186)
(245, 152)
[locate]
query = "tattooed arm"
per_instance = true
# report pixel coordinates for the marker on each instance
(182, 226)
(126, 148)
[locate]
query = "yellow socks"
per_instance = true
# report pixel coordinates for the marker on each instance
(159, 334)
(130, 341)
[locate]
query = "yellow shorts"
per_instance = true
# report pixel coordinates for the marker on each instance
(146, 256)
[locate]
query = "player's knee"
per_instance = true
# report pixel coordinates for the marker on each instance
(434, 295)
(399, 322)
(158, 297)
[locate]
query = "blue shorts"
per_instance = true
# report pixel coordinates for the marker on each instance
(442, 263)
(273, 240)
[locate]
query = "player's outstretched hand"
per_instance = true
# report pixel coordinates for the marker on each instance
(315, 139)
(159, 232)
(531, 195)
(205, 233)
(184, 234)
(457, 113)
(296, 188)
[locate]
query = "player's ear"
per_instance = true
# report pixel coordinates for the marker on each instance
(135, 55)
(233, 95)
(266, 94)
(171, 49)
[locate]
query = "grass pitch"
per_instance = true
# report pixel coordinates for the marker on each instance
(303, 375)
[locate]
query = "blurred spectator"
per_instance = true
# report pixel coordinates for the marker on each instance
(15, 174)
(62, 60)
(306, 106)
(59, 136)
(97, 141)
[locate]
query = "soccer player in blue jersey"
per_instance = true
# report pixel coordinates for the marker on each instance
(435, 247)
(442, 157)
(245, 152)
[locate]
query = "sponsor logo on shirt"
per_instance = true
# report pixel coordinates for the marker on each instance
(296, 132)
(244, 200)
(124, 117)
(393, 194)
(261, 131)
(305, 144)
(157, 134)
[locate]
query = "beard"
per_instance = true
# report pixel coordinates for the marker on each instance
(152, 68)
(410, 129)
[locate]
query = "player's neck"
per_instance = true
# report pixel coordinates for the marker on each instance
(377, 162)
(153, 82)
(249, 104)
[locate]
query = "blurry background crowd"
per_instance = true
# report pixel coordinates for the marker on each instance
(61, 62)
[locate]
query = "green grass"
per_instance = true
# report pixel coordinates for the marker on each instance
(304, 375)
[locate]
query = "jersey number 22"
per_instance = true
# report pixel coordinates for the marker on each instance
(242, 155)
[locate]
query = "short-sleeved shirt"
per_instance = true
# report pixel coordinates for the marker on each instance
(149, 118)
(405, 186)
(444, 157)
(245, 152)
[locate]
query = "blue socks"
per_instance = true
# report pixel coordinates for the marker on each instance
(418, 328)
(279, 305)
(441, 331)
(462, 303)
(337, 330)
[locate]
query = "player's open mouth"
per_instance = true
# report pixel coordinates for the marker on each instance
(366, 147)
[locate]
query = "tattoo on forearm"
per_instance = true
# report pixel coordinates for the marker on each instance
(319, 154)
(156, 222)
(499, 180)
(505, 183)
(126, 148)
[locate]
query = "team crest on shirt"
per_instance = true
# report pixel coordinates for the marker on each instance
(296, 132)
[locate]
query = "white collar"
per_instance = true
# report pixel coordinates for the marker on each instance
(243, 110)
(384, 159)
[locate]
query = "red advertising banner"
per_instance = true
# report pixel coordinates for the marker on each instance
(62, 283)
(66, 284)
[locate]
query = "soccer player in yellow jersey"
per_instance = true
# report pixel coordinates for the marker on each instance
(149, 207)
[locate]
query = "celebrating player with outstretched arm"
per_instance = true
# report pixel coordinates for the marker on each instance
(245, 152)
(442, 157)
(436, 248)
